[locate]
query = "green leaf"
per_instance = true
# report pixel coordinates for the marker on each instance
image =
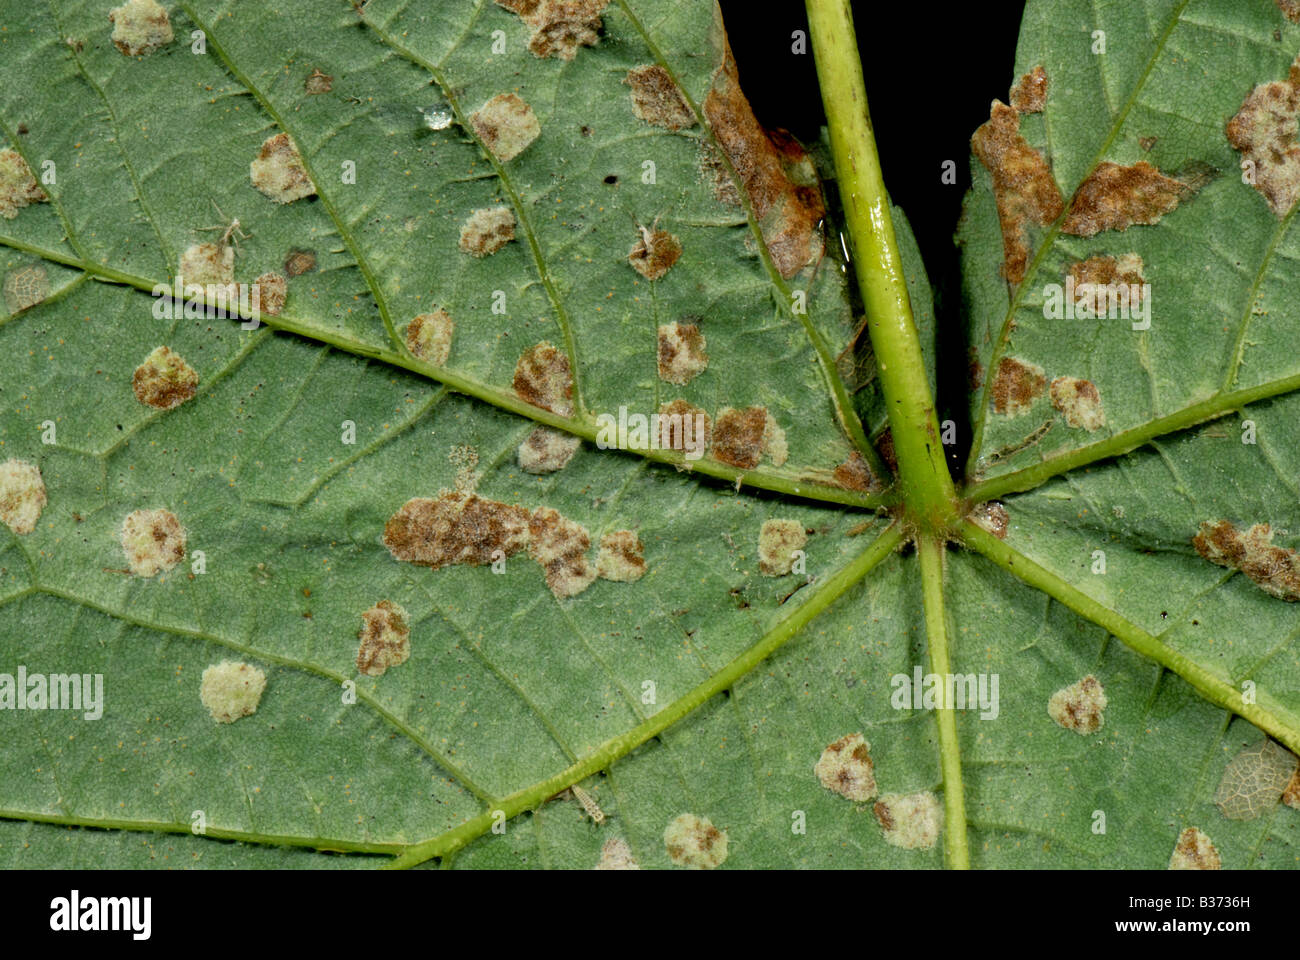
(706, 687)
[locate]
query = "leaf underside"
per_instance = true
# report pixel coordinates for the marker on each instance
(510, 693)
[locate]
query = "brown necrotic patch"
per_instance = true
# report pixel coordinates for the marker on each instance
(742, 437)
(25, 287)
(683, 426)
(1115, 197)
(657, 100)
(297, 262)
(621, 557)
(318, 83)
(205, 263)
(455, 528)
(1265, 132)
(560, 545)
(845, 768)
(738, 436)
(1017, 384)
(272, 290)
(22, 495)
(1291, 8)
(992, 517)
(693, 841)
(1079, 707)
(1023, 187)
(546, 450)
(1291, 795)
(1079, 402)
(559, 27)
(429, 337)
(153, 541)
(506, 125)
(140, 27)
(487, 230)
(1275, 570)
(385, 638)
(855, 474)
(544, 379)
(1098, 280)
(164, 380)
(774, 171)
(682, 355)
(1194, 851)
(1254, 781)
(18, 187)
(278, 172)
(655, 253)
(1029, 95)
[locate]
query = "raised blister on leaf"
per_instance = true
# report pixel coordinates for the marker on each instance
(788, 207)
(991, 516)
(742, 437)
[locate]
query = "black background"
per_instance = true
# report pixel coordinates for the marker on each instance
(931, 73)
(930, 78)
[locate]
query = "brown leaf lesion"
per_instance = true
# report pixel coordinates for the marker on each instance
(1264, 131)
(1029, 95)
(1274, 569)
(773, 169)
(1023, 187)
(1115, 197)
